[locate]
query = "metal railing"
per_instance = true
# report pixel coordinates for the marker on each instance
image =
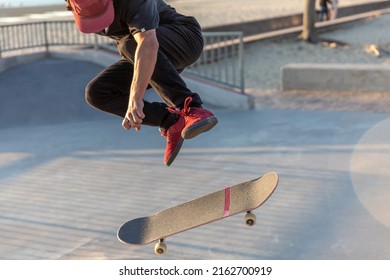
(222, 59)
(220, 62)
(45, 34)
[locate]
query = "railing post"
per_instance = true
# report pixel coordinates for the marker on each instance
(2, 36)
(46, 36)
(241, 64)
(96, 45)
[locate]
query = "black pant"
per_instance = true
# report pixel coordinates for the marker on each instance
(180, 46)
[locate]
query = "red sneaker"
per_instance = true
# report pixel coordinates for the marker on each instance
(174, 140)
(197, 120)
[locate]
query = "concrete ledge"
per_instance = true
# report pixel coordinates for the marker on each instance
(269, 25)
(336, 77)
(320, 26)
(217, 95)
(8, 62)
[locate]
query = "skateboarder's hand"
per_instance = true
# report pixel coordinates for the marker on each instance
(134, 115)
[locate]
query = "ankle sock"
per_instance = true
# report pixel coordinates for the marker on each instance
(169, 120)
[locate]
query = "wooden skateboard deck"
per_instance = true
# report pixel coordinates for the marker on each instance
(226, 202)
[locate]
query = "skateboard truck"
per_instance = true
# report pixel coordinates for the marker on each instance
(250, 218)
(160, 248)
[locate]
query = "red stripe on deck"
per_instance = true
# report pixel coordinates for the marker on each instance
(226, 210)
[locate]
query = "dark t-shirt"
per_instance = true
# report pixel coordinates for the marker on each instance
(133, 16)
(324, 2)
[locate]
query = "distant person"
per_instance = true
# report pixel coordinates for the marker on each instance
(326, 13)
(156, 43)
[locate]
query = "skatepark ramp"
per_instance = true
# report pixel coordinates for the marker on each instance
(46, 91)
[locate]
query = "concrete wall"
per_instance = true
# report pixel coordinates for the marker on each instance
(336, 77)
(272, 24)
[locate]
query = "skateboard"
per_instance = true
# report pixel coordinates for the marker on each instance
(243, 197)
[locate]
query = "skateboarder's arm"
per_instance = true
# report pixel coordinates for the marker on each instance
(144, 63)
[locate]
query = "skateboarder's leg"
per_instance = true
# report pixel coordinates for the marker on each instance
(109, 92)
(179, 47)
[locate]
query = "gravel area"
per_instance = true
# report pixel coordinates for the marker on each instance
(356, 44)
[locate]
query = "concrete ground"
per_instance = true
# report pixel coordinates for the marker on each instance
(70, 175)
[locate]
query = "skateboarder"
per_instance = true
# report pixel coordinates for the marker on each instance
(156, 43)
